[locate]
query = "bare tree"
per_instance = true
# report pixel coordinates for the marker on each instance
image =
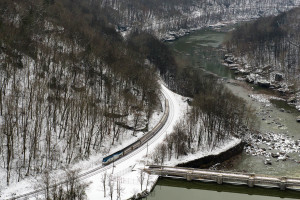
(119, 188)
(46, 181)
(111, 186)
(103, 180)
(148, 181)
(141, 178)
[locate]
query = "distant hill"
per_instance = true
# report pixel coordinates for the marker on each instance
(270, 47)
(173, 15)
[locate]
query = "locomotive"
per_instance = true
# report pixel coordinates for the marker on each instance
(127, 150)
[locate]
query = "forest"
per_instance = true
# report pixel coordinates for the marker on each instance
(270, 43)
(216, 116)
(172, 15)
(69, 80)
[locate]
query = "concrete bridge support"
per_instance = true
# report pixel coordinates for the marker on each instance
(251, 180)
(220, 179)
(282, 184)
(189, 176)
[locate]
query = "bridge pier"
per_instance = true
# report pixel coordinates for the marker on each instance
(220, 179)
(251, 180)
(189, 176)
(282, 184)
(161, 173)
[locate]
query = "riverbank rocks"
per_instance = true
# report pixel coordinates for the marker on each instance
(229, 60)
(274, 155)
(278, 77)
(263, 83)
(141, 195)
(243, 71)
(228, 55)
(233, 66)
(292, 99)
(263, 76)
(173, 35)
(272, 145)
(268, 162)
(251, 78)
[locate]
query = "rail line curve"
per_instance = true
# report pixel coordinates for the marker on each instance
(148, 139)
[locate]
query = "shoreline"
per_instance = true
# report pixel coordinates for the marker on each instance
(276, 85)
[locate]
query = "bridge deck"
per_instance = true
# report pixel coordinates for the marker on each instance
(225, 177)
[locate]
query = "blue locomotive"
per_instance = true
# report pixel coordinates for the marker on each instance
(115, 156)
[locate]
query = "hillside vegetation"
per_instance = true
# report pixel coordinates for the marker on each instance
(66, 79)
(72, 86)
(270, 47)
(164, 17)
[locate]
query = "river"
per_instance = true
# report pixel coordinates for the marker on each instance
(201, 49)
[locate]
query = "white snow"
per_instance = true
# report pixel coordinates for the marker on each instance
(205, 152)
(127, 169)
(129, 179)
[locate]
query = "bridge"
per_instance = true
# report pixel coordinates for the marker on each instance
(221, 177)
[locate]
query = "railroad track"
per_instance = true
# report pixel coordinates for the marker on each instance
(102, 168)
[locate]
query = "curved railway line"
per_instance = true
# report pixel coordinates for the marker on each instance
(129, 151)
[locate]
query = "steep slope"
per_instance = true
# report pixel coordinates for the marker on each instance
(269, 51)
(173, 15)
(69, 86)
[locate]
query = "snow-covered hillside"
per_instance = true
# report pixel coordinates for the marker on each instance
(164, 17)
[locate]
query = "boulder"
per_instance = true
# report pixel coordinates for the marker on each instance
(229, 61)
(298, 119)
(283, 90)
(278, 77)
(170, 38)
(244, 71)
(274, 155)
(229, 55)
(263, 83)
(268, 162)
(292, 99)
(233, 66)
(251, 78)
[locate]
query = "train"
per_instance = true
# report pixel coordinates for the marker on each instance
(144, 139)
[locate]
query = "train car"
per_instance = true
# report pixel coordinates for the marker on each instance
(115, 156)
(109, 159)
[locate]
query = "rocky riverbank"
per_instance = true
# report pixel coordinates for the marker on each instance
(264, 77)
(174, 35)
(274, 147)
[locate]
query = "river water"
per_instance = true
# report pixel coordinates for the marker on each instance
(170, 189)
(201, 49)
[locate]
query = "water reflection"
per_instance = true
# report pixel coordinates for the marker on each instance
(180, 190)
(198, 50)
